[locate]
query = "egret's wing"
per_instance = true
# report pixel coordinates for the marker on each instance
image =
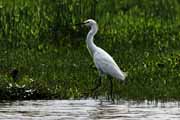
(105, 63)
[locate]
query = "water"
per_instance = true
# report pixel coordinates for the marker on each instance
(88, 110)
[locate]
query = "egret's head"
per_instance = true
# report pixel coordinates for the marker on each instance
(90, 23)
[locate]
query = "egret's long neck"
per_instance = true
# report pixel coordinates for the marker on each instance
(89, 40)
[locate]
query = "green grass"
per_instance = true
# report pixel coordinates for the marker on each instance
(37, 39)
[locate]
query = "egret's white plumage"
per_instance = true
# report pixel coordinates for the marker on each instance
(103, 61)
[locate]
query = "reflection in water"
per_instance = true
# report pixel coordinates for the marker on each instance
(88, 110)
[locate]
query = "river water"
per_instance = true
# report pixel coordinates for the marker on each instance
(88, 110)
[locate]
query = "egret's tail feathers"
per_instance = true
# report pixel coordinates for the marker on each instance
(125, 75)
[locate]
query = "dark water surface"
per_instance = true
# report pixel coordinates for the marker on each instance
(88, 110)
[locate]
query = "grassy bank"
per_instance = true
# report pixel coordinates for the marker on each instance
(43, 57)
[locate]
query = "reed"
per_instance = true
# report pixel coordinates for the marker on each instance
(50, 56)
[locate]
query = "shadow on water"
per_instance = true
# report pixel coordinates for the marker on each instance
(88, 110)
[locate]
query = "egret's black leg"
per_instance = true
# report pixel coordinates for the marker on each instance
(98, 83)
(94, 90)
(111, 89)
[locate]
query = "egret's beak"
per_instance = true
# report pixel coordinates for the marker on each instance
(79, 24)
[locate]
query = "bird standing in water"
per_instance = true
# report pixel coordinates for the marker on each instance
(103, 61)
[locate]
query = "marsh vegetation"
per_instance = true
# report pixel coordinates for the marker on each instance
(42, 56)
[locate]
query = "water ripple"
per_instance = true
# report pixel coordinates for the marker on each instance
(88, 110)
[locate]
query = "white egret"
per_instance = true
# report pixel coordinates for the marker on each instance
(103, 61)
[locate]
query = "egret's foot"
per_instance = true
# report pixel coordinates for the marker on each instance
(91, 92)
(94, 91)
(96, 88)
(85, 95)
